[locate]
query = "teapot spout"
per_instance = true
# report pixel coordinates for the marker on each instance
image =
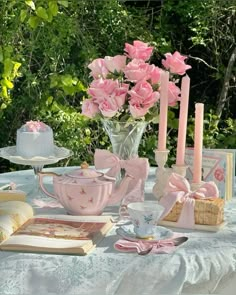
(119, 192)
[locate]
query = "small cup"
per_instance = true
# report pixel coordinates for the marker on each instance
(144, 216)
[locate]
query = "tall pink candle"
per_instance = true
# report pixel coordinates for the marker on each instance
(198, 142)
(163, 111)
(183, 118)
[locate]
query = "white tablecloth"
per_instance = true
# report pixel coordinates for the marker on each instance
(205, 264)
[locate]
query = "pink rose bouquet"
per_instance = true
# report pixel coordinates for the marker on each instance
(127, 86)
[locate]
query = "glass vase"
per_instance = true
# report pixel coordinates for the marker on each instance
(125, 137)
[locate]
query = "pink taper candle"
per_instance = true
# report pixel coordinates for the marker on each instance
(198, 142)
(163, 111)
(183, 118)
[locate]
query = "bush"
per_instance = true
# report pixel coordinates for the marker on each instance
(46, 45)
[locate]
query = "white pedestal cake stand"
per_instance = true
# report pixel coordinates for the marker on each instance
(37, 163)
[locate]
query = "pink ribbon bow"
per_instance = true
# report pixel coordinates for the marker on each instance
(135, 167)
(140, 247)
(178, 190)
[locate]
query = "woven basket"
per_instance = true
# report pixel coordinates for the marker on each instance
(206, 212)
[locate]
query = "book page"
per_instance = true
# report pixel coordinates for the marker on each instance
(13, 214)
(59, 233)
(12, 195)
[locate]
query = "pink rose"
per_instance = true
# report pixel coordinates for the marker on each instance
(116, 63)
(155, 74)
(219, 174)
(108, 108)
(101, 88)
(173, 94)
(98, 68)
(109, 89)
(137, 70)
(89, 108)
(175, 63)
(142, 98)
(120, 94)
(139, 50)
(137, 110)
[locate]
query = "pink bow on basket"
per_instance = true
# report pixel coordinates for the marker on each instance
(135, 167)
(178, 190)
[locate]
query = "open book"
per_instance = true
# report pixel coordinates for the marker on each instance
(12, 195)
(20, 230)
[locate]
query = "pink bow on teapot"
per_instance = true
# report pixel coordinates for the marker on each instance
(135, 167)
(178, 190)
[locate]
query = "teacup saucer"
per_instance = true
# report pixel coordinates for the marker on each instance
(160, 233)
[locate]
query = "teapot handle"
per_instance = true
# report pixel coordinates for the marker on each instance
(41, 175)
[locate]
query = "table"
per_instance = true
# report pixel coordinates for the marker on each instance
(205, 264)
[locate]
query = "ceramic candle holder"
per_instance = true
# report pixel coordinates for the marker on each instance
(196, 185)
(181, 170)
(162, 173)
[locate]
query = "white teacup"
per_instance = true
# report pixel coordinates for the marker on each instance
(144, 216)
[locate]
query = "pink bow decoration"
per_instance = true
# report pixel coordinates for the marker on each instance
(135, 167)
(178, 190)
(140, 247)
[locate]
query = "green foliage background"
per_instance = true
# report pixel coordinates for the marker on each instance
(46, 45)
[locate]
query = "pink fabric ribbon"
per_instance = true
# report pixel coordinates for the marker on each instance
(178, 190)
(135, 167)
(47, 204)
(158, 247)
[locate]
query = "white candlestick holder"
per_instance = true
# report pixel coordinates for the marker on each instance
(162, 173)
(181, 170)
(196, 185)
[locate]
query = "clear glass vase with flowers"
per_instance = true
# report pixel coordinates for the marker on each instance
(126, 89)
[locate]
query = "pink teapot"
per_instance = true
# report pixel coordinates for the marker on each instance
(85, 191)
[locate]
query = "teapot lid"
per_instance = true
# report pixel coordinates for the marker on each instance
(84, 172)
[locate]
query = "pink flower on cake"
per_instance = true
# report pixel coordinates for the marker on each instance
(127, 87)
(219, 174)
(35, 126)
(175, 63)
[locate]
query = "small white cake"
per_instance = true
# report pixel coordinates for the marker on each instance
(34, 139)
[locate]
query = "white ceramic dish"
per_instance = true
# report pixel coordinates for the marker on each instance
(10, 154)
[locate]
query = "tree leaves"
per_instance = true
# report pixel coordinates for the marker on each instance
(42, 13)
(53, 7)
(30, 3)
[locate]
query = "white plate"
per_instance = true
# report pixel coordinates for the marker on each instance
(127, 232)
(10, 154)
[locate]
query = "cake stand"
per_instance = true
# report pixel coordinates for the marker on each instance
(37, 163)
